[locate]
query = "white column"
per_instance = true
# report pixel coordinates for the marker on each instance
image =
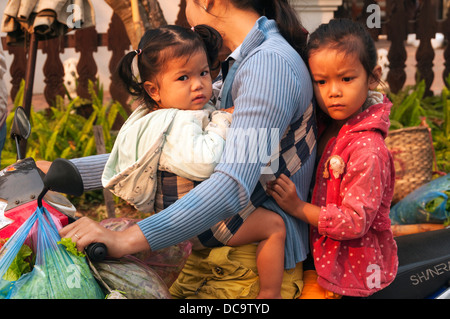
(312, 13)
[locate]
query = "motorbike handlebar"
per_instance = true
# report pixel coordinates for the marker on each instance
(96, 251)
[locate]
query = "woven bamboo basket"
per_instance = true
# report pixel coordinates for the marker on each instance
(412, 150)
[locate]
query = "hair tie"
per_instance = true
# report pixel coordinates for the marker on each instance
(138, 51)
(305, 32)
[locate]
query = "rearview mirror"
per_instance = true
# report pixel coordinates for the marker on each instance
(62, 177)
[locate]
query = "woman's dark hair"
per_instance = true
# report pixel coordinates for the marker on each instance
(281, 11)
(161, 44)
(346, 36)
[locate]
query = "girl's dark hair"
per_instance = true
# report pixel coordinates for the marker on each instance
(281, 11)
(346, 36)
(161, 44)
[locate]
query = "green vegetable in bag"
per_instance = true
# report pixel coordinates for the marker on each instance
(57, 273)
(62, 276)
(20, 265)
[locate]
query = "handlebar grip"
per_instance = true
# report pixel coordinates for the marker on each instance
(96, 251)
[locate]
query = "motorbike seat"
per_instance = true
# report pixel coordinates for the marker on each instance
(424, 266)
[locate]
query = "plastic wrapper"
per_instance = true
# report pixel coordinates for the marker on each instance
(427, 204)
(56, 272)
(167, 262)
(118, 224)
(130, 277)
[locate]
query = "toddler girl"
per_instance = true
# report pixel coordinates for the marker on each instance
(177, 131)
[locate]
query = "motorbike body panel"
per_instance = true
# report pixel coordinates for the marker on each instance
(20, 214)
(20, 183)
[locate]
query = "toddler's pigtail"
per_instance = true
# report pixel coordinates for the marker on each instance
(126, 75)
(213, 43)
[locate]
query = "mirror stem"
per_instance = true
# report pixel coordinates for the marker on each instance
(41, 196)
(19, 155)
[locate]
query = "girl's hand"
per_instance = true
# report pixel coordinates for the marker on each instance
(284, 192)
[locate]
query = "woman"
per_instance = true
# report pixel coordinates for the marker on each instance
(271, 91)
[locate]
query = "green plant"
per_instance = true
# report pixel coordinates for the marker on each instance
(407, 109)
(59, 132)
(441, 131)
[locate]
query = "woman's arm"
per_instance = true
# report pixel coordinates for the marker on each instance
(91, 170)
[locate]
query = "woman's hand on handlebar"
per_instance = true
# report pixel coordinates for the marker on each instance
(85, 231)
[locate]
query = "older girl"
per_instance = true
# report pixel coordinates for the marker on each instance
(353, 246)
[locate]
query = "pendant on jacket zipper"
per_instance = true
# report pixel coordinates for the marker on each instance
(334, 164)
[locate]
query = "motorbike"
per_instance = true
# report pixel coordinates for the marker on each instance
(24, 187)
